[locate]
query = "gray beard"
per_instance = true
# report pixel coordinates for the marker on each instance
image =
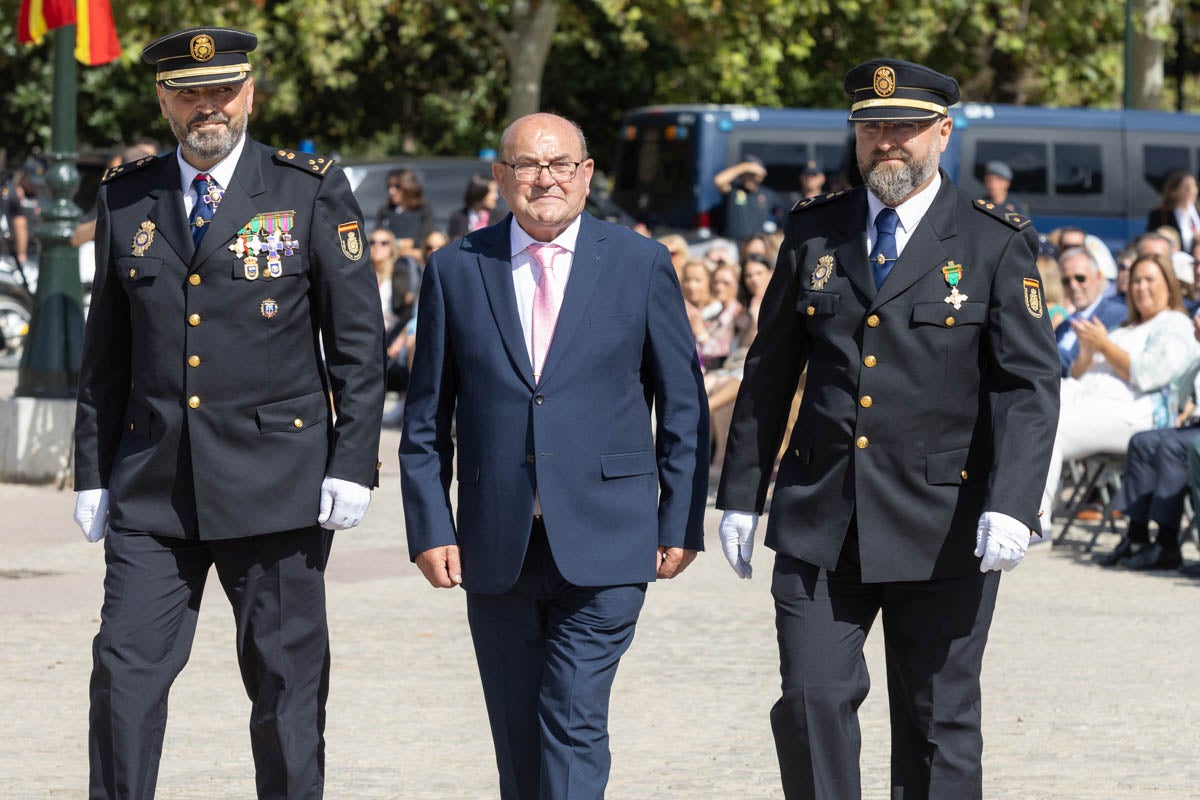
(209, 145)
(894, 185)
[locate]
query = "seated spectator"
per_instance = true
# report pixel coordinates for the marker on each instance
(730, 327)
(406, 214)
(755, 245)
(1052, 289)
(696, 283)
(677, 246)
(1067, 237)
(479, 201)
(1120, 382)
(1152, 486)
(756, 274)
(1084, 287)
(720, 252)
(1177, 209)
(434, 240)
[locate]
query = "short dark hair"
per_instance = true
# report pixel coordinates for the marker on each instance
(477, 189)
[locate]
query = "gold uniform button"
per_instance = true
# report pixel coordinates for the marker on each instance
(194, 401)
(964, 474)
(865, 401)
(873, 321)
(193, 361)
(299, 423)
(861, 442)
(194, 320)
(131, 426)
(194, 279)
(796, 452)
(870, 361)
(949, 322)
(811, 311)
(133, 273)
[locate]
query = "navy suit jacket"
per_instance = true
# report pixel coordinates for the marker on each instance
(614, 482)
(1112, 311)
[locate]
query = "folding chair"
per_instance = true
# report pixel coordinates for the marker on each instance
(1101, 474)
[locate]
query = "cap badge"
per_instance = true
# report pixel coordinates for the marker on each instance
(143, 238)
(202, 47)
(885, 81)
(822, 272)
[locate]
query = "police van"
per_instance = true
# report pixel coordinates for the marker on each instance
(1100, 170)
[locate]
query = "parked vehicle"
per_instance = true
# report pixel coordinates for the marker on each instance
(1100, 170)
(444, 181)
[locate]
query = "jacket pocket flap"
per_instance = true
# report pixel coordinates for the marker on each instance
(135, 268)
(818, 303)
(940, 314)
(623, 465)
(949, 467)
(294, 414)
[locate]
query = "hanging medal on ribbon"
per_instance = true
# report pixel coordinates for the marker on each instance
(272, 245)
(953, 274)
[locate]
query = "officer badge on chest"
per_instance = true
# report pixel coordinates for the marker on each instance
(269, 307)
(953, 274)
(143, 238)
(267, 237)
(822, 272)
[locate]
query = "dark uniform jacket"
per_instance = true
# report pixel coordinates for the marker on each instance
(916, 416)
(203, 402)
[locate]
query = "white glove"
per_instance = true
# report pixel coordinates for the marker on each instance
(343, 504)
(1000, 541)
(91, 513)
(737, 540)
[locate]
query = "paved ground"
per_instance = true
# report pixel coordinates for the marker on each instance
(1090, 685)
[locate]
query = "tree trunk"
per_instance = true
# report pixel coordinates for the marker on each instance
(527, 44)
(1148, 54)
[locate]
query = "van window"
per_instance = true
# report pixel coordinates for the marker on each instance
(783, 161)
(1159, 161)
(1078, 169)
(655, 173)
(1027, 160)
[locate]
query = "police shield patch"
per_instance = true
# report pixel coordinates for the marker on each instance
(1033, 298)
(351, 239)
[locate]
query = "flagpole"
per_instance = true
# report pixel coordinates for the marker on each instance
(50, 361)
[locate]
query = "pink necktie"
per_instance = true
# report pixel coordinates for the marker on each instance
(547, 300)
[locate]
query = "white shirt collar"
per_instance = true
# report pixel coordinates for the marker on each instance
(519, 239)
(912, 210)
(221, 172)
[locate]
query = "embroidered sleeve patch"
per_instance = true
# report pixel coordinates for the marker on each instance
(1033, 298)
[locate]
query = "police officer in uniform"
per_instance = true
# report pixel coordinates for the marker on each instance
(914, 471)
(205, 433)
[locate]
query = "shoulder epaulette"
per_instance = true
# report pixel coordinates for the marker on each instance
(314, 165)
(810, 202)
(1009, 218)
(126, 168)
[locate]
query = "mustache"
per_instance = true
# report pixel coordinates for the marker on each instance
(898, 155)
(215, 116)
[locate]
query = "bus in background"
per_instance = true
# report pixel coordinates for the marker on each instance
(1095, 169)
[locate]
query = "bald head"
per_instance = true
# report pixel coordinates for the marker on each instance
(550, 121)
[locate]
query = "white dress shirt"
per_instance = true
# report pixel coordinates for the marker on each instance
(526, 271)
(910, 212)
(221, 173)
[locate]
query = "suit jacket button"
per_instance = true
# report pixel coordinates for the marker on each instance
(873, 321)
(861, 442)
(870, 361)
(194, 401)
(538, 400)
(865, 401)
(194, 320)
(194, 279)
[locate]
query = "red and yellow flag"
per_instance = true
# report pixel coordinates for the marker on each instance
(95, 33)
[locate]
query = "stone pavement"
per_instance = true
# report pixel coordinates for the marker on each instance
(1090, 685)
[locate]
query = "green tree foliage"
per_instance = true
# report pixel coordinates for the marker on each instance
(385, 77)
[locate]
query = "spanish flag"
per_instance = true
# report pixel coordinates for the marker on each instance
(95, 33)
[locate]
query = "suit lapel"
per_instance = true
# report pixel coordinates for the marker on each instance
(495, 266)
(238, 205)
(591, 247)
(167, 211)
(850, 244)
(924, 251)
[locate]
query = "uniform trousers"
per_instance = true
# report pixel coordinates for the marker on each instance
(152, 590)
(548, 652)
(1156, 475)
(934, 637)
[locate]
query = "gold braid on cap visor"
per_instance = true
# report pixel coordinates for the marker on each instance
(194, 72)
(898, 102)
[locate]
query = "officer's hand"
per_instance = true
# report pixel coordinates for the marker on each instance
(91, 513)
(737, 540)
(343, 504)
(673, 560)
(440, 566)
(1000, 541)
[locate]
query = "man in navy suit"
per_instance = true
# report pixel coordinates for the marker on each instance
(1084, 285)
(547, 340)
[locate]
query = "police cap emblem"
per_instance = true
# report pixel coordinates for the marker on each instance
(885, 81)
(202, 47)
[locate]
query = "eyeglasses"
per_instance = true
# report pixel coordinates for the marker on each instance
(1077, 278)
(528, 172)
(902, 130)
(380, 242)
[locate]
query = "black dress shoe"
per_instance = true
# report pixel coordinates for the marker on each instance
(1191, 570)
(1154, 557)
(1125, 548)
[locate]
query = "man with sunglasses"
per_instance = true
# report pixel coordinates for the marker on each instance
(1084, 287)
(914, 471)
(549, 338)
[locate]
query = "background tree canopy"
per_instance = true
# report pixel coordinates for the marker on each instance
(371, 78)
